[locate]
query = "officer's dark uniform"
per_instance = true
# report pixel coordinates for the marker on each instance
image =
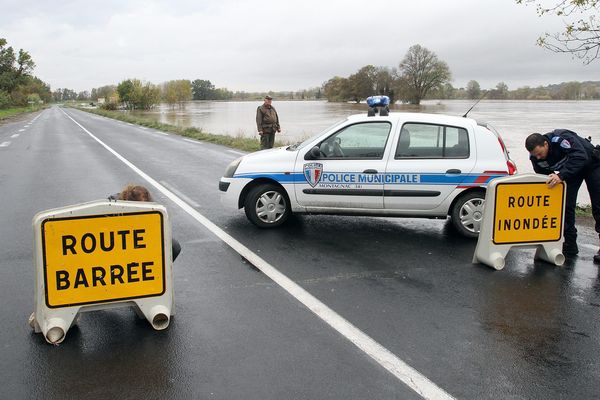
(572, 157)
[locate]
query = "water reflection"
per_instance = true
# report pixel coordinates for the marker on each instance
(532, 317)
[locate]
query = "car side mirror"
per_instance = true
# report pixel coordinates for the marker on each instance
(315, 153)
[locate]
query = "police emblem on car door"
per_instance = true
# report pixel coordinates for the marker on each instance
(313, 173)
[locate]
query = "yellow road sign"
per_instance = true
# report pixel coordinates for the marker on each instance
(103, 258)
(528, 213)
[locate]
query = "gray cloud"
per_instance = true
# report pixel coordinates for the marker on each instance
(280, 45)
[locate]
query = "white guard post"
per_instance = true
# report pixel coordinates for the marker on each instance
(521, 211)
(101, 255)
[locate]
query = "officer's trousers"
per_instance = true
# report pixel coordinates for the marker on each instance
(591, 176)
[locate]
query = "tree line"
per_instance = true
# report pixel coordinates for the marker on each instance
(418, 75)
(18, 87)
(135, 94)
(421, 75)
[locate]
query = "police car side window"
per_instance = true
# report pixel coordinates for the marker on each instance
(432, 141)
(359, 141)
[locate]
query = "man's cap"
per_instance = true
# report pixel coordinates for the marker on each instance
(267, 97)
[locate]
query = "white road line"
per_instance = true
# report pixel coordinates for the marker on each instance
(181, 195)
(4, 144)
(16, 135)
(162, 133)
(21, 130)
(404, 372)
(590, 246)
(143, 127)
(237, 152)
(193, 141)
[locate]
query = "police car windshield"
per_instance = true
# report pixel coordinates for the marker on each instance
(300, 145)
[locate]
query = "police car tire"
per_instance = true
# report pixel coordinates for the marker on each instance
(458, 210)
(269, 193)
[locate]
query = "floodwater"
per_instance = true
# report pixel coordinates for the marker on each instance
(301, 119)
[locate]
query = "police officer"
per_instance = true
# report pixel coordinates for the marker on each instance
(267, 123)
(565, 156)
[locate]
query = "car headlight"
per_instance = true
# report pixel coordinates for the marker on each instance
(232, 167)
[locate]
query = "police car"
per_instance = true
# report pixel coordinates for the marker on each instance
(377, 164)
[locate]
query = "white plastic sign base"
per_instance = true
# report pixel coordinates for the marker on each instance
(101, 255)
(521, 211)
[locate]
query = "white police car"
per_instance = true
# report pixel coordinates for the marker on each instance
(399, 164)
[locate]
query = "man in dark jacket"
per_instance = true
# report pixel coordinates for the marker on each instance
(267, 123)
(565, 156)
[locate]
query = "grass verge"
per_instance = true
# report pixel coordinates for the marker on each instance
(236, 142)
(11, 112)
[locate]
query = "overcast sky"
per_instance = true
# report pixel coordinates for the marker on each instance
(281, 45)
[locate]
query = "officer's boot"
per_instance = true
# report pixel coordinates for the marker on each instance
(597, 256)
(570, 249)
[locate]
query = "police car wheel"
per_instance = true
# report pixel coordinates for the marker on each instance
(467, 214)
(267, 206)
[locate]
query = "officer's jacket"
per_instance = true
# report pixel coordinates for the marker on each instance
(568, 154)
(266, 117)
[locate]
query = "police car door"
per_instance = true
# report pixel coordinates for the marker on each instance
(345, 169)
(427, 164)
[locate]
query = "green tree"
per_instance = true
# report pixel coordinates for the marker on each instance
(581, 36)
(5, 99)
(570, 91)
(108, 92)
(83, 95)
(522, 93)
(16, 81)
(337, 89)
(168, 94)
(500, 92)
(126, 91)
(362, 83)
(385, 81)
(25, 63)
(473, 89)
(34, 98)
(183, 90)
(138, 95)
(202, 89)
(421, 71)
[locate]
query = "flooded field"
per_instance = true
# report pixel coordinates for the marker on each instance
(301, 119)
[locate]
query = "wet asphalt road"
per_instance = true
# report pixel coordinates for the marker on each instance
(529, 331)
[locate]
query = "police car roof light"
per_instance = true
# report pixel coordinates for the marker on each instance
(378, 101)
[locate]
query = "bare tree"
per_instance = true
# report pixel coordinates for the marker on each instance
(473, 89)
(581, 36)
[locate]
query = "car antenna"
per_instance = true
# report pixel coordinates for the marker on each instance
(477, 102)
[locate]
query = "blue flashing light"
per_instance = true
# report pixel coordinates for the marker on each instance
(378, 101)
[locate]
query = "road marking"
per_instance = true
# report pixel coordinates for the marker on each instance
(590, 246)
(16, 135)
(237, 152)
(143, 127)
(181, 195)
(4, 144)
(21, 130)
(162, 133)
(401, 370)
(193, 141)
